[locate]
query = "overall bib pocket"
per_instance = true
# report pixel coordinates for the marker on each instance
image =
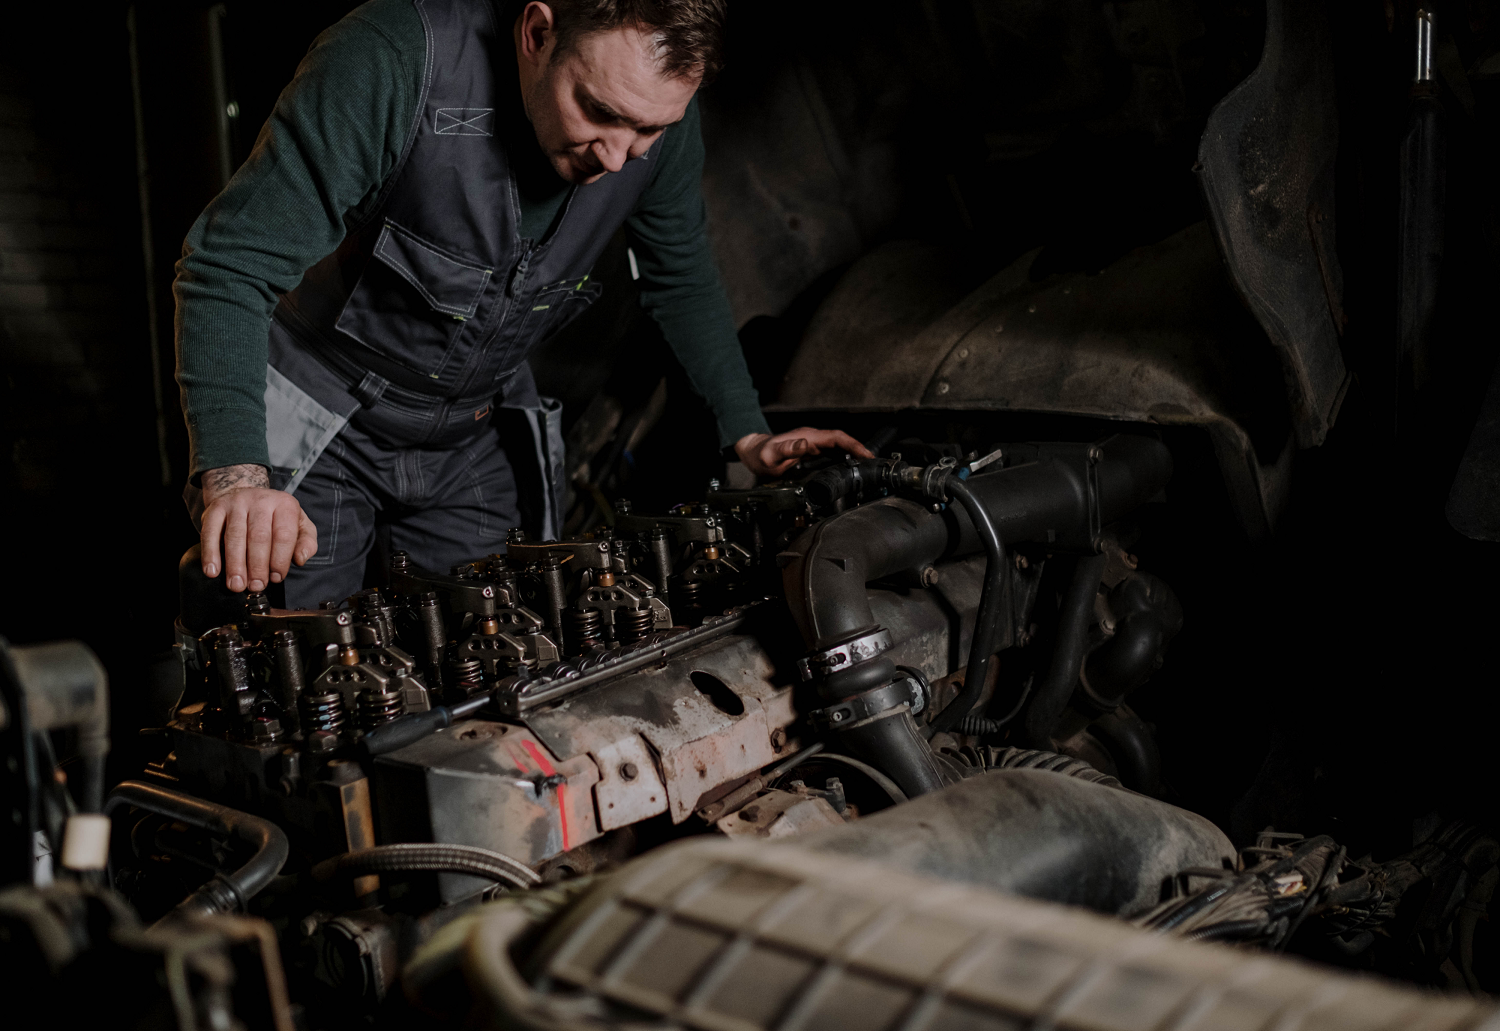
(553, 306)
(412, 300)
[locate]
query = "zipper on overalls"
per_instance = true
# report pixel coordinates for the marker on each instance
(512, 290)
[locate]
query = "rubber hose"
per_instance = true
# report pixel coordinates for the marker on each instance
(404, 858)
(991, 608)
(225, 893)
(1067, 654)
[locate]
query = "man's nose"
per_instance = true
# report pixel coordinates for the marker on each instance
(612, 151)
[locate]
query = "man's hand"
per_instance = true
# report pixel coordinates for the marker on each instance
(264, 530)
(767, 455)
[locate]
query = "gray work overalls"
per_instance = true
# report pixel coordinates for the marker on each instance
(398, 396)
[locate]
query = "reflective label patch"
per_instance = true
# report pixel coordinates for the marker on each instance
(464, 121)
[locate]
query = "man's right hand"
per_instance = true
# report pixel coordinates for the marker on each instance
(264, 530)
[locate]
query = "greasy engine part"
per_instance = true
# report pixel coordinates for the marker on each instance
(1038, 833)
(446, 709)
(709, 935)
(662, 740)
(1063, 498)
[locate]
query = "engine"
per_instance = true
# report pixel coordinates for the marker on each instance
(679, 667)
(915, 666)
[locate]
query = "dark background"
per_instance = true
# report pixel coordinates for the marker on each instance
(1337, 677)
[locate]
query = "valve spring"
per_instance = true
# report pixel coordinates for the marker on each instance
(377, 707)
(583, 627)
(468, 676)
(632, 625)
(323, 712)
(689, 593)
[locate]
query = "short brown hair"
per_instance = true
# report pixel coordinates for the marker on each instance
(689, 33)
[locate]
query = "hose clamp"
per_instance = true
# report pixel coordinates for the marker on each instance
(841, 656)
(935, 478)
(874, 702)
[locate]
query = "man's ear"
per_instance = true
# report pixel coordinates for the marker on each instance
(538, 32)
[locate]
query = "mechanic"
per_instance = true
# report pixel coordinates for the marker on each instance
(424, 207)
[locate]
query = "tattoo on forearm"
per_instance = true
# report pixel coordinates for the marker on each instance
(232, 477)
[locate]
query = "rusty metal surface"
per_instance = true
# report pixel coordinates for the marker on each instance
(1267, 166)
(779, 814)
(700, 747)
(671, 738)
(1158, 337)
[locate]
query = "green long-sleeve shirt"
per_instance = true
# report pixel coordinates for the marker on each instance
(335, 136)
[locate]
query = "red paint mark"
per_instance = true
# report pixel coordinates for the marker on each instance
(562, 789)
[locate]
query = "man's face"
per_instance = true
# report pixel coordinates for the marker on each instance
(601, 102)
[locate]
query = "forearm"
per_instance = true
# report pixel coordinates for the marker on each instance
(222, 327)
(218, 482)
(699, 327)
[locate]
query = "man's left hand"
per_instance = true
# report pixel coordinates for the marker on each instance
(768, 455)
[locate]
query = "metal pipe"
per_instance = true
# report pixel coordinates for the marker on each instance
(225, 893)
(1424, 45)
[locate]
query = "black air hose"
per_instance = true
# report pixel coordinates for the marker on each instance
(1067, 653)
(991, 610)
(404, 858)
(225, 893)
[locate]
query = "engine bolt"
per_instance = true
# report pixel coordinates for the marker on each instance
(628, 771)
